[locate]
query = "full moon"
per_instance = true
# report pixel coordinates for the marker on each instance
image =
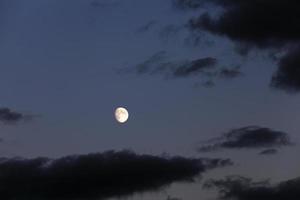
(121, 115)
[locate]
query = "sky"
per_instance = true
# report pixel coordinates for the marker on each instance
(201, 79)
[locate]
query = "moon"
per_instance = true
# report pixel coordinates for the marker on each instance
(121, 115)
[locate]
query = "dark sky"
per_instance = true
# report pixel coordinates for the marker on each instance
(185, 76)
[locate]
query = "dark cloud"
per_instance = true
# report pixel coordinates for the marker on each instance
(269, 152)
(100, 175)
(268, 24)
(241, 188)
(247, 137)
(8, 116)
(287, 76)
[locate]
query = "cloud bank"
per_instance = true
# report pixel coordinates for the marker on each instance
(100, 175)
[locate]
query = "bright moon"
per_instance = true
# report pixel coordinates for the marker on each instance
(121, 115)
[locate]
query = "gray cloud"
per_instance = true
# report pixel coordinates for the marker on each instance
(247, 137)
(9, 116)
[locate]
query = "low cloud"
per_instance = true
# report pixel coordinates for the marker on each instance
(241, 188)
(247, 138)
(100, 175)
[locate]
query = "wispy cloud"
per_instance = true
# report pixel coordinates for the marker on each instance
(268, 152)
(205, 68)
(247, 138)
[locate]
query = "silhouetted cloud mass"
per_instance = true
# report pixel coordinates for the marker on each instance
(9, 116)
(247, 137)
(241, 188)
(268, 24)
(99, 175)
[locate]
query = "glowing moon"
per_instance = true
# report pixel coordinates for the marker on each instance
(121, 115)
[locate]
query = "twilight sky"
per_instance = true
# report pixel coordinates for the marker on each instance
(198, 81)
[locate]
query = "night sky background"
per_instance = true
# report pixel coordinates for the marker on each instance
(212, 89)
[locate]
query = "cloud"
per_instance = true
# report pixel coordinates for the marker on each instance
(99, 175)
(8, 116)
(230, 73)
(269, 152)
(287, 76)
(204, 68)
(257, 25)
(247, 137)
(194, 67)
(268, 24)
(241, 188)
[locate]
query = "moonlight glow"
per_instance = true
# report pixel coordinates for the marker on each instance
(121, 115)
